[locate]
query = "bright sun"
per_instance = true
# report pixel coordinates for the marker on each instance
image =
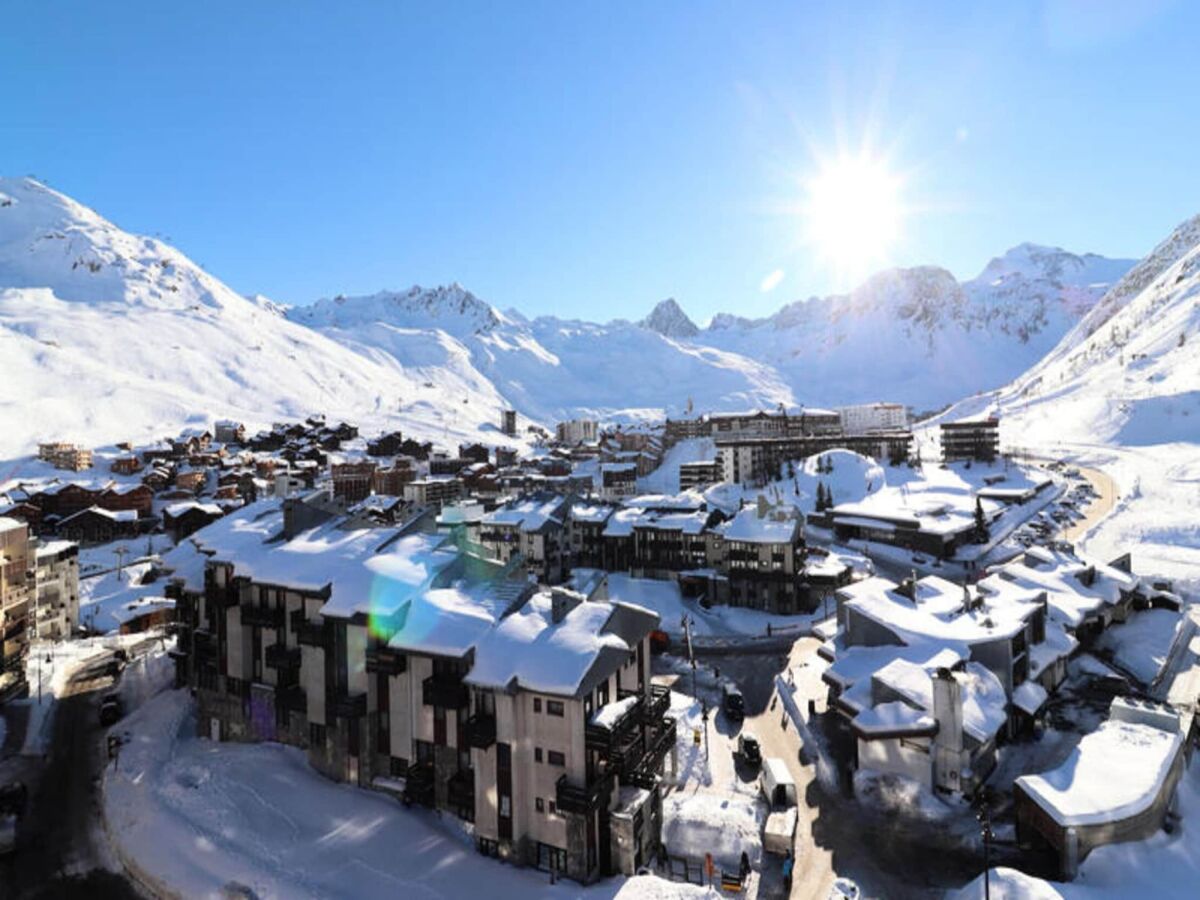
(853, 214)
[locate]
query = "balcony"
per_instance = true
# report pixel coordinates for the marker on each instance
(386, 661)
(347, 706)
(294, 699)
(481, 730)
(573, 798)
(204, 643)
(418, 784)
(262, 616)
(444, 692)
(460, 790)
(656, 705)
(282, 657)
(311, 634)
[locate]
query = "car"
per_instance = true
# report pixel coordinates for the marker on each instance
(110, 709)
(733, 702)
(749, 751)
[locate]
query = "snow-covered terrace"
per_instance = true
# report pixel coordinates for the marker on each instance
(749, 526)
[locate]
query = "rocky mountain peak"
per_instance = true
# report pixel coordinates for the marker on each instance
(669, 320)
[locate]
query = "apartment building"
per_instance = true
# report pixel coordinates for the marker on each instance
(760, 554)
(699, 474)
(871, 418)
(757, 460)
(17, 596)
(434, 490)
(352, 481)
(618, 479)
(974, 439)
(532, 527)
(67, 456)
(56, 614)
(400, 662)
(577, 431)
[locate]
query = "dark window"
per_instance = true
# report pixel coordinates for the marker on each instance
(537, 754)
(551, 807)
(399, 766)
(555, 758)
(316, 735)
(555, 708)
(539, 805)
(504, 790)
(537, 704)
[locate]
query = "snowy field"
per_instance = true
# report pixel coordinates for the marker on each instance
(257, 815)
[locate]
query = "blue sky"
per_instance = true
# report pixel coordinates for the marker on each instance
(589, 159)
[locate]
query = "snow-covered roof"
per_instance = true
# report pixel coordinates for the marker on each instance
(7, 524)
(892, 718)
(447, 621)
(175, 510)
(595, 513)
(1114, 773)
(529, 650)
(530, 513)
(749, 526)
(984, 704)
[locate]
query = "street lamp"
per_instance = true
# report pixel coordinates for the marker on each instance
(985, 830)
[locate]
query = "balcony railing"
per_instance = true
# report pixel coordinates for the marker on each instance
(204, 642)
(262, 616)
(418, 784)
(280, 656)
(481, 730)
(348, 706)
(447, 693)
(386, 661)
(573, 798)
(656, 705)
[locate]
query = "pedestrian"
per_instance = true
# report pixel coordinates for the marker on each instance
(768, 629)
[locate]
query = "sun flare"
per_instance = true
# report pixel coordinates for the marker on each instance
(853, 214)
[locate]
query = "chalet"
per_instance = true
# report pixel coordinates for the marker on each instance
(444, 465)
(474, 452)
(191, 480)
(157, 452)
(99, 526)
(415, 449)
(505, 456)
(127, 464)
(185, 518)
(386, 444)
(157, 478)
(228, 431)
(191, 440)
(66, 498)
(136, 497)
(65, 456)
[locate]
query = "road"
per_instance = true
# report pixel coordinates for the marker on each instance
(59, 853)
(1106, 498)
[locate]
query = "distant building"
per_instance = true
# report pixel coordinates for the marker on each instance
(618, 479)
(386, 444)
(127, 464)
(870, 418)
(229, 432)
(65, 456)
(974, 439)
(435, 490)
(508, 421)
(391, 481)
(576, 431)
(699, 474)
(352, 481)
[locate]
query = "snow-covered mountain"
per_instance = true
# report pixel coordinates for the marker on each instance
(1121, 391)
(547, 368)
(105, 335)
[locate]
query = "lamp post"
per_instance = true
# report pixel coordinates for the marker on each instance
(985, 824)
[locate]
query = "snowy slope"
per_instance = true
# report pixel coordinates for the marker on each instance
(106, 335)
(548, 368)
(1121, 391)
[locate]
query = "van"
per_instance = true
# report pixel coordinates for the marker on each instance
(777, 784)
(733, 702)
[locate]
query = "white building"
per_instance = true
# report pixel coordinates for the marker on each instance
(576, 431)
(868, 418)
(57, 606)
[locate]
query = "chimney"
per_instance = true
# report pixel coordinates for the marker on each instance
(948, 742)
(562, 601)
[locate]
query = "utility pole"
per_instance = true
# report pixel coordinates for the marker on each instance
(120, 554)
(985, 822)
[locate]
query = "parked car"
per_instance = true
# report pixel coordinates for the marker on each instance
(110, 710)
(748, 749)
(733, 702)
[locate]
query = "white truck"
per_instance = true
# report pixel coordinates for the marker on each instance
(779, 790)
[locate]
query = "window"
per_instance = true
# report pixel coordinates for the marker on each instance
(554, 708)
(537, 754)
(539, 804)
(555, 758)
(316, 735)
(537, 704)
(552, 807)
(398, 767)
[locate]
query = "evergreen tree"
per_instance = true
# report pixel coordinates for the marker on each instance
(981, 528)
